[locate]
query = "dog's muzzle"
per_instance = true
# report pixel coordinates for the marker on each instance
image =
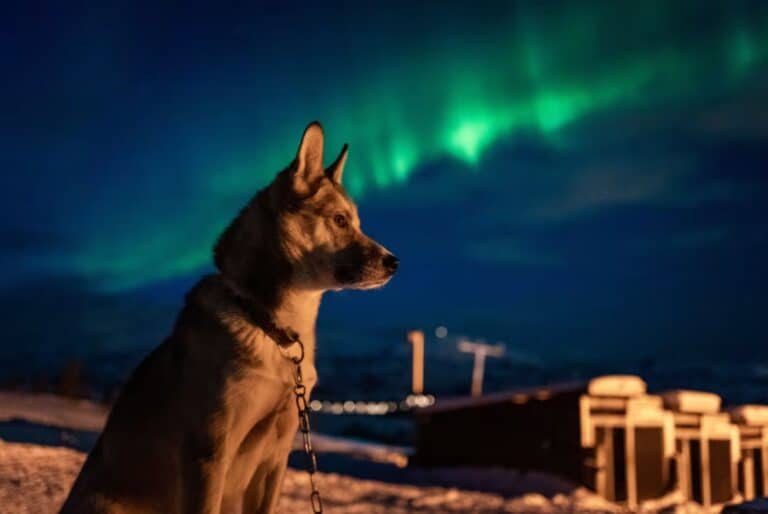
(390, 263)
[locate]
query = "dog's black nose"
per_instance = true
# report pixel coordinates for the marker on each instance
(390, 262)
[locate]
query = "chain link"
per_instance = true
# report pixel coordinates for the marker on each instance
(300, 390)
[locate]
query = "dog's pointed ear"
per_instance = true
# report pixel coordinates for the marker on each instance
(308, 165)
(336, 169)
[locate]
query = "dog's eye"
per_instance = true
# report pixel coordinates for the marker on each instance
(341, 221)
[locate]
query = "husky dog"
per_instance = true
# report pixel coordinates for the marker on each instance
(207, 420)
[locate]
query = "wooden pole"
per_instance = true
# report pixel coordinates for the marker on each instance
(764, 450)
(480, 351)
(630, 457)
(748, 465)
(478, 370)
(416, 338)
(685, 468)
(706, 484)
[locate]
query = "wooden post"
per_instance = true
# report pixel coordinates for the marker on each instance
(706, 485)
(684, 473)
(416, 338)
(764, 450)
(478, 370)
(604, 485)
(630, 455)
(481, 351)
(748, 466)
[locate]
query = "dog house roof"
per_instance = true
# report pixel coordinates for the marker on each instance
(693, 402)
(752, 415)
(624, 386)
(515, 396)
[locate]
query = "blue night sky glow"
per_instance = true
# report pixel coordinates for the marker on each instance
(585, 181)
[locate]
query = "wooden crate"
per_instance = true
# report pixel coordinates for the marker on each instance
(707, 446)
(752, 421)
(630, 438)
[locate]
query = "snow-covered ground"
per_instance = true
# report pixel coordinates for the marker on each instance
(35, 479)
(52, 410)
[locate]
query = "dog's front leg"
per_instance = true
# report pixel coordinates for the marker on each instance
(264, 489)
(266, 484)
(204, 469)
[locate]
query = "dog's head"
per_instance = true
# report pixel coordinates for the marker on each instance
(305, 228)
(320, 228)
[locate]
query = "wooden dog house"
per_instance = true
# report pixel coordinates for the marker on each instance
(628, 438)
(606, 434)
(527, 429)
(707, 446)
(752, 421)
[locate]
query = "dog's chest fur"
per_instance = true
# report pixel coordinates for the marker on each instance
(262, 431)
(258, 395)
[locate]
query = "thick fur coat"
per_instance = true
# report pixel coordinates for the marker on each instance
(206, 422)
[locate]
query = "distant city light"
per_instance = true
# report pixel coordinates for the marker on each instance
(419, 400)
(373, 408)
(441, 332)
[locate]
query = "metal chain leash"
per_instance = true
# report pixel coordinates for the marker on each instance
(300, 390)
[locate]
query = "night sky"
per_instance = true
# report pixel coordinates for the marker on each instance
(583, 181)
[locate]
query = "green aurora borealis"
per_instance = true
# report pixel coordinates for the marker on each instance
(402, 89)
(583, 181)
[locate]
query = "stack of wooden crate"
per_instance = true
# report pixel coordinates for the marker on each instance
(629, 440)
(707, 447)
(752, 421)
(609, 434)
